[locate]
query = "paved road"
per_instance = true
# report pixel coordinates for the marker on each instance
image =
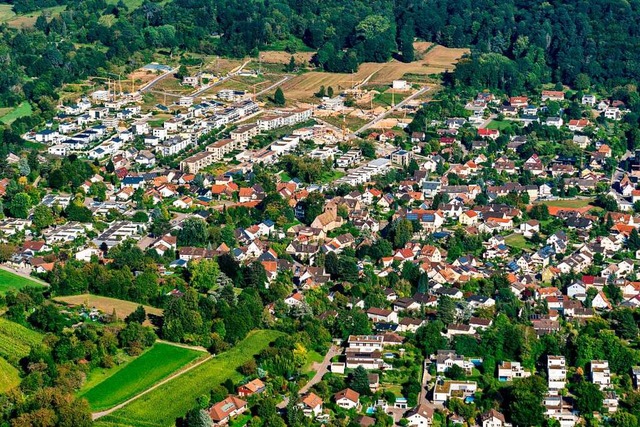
(23, 272)
(101, 414)
(276, 84)
(320, 368)
(426, 377)
(153, 82)
(389, 111)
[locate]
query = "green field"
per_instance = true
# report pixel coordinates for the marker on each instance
(163, 405)
(9, 376)
(10, 281)
(517, 241)
(16, 340)
(8, 16)
(574, 203)
(154, 365)
(500, 125)
(21, 110)
(389, 99)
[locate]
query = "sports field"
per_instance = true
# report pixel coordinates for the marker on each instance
(163, 405)
(138, 375)
(10, 281)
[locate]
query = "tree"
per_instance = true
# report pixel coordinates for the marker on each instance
(43, 216)
(182, 72)
(291, 66)
(402, 233)
(321, 93)
(407, 34)
(197, 417)
(455, 372)
(588, 398)
(633, 242)
(526, 401)
(204, 274)
(193, 232)
(138, 315)
(360, 381)
(278, 98)
(429, 338)
(19, 205)
(623, 419)
(446, 310)
(330, 92)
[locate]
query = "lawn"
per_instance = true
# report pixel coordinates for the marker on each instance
(9, 376)
(16, 340)
(389, 98)
(10, 281)
(500, 125)
(152, 366)
(163, 405)
(517, 241)
(329, 177)
(573, 203)
(21, 110)
(312, 357)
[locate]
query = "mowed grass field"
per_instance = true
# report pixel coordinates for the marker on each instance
(433, 60)
(163, 405)
(10, 281)
(574, 203)
(22, 110)
(16, 340)
(107, 305)
(154, 365)
(9, 376)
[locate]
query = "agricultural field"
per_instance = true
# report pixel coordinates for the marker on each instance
(9, 376)
(12, 114)
(157, 363)
(16, 340)
(432, 60)
(106, 305)
(10, 281)
(163, 405)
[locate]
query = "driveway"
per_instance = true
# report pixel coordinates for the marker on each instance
(320, 368)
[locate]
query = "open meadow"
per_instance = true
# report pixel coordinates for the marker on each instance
(16, 340)
(106, 304)
(163, 405)
(12, 114)
(157, 363)
(10, 281)
(9, 17)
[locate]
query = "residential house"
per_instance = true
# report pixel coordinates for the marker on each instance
(222, 412)
(347, 399)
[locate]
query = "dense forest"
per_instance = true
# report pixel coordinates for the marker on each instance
(515, 45)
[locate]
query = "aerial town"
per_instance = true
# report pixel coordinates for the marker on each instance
(270, 241)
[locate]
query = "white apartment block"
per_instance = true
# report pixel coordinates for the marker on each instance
(600, 374)
(556, 373)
